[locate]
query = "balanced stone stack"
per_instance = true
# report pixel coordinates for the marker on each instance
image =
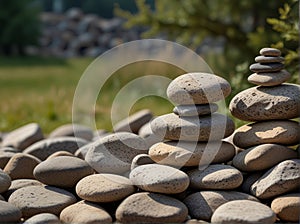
(269, 158)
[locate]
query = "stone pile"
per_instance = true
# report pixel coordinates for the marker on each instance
(269, 158)
(76, 34)
(74, 175)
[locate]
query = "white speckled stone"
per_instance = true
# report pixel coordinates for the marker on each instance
(85, 212)
(23, 137)
(215, 177)
(62, 171)
(269, 79)
(268, 51)
(202, 204)
(204, 128)
(198, 88)
(284, 132)
(262, 157)
(181, 153)
(114, 153)
(47, 147)
(287, 207)
(73, 130)
(151, 208)
(33, 200)
(243, 211)
(104, 188)
(283, 178)
(195, 110)
(261, 103)
(159, 178)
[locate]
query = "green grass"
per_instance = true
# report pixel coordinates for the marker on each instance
(41, 90)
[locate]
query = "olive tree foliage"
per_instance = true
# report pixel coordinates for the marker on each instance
(19, 25)
(242, 24)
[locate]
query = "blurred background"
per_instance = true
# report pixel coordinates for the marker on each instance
(45, 46)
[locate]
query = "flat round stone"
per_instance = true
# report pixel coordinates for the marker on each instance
(198, 88)
(9, 213)
(243, 211)
(204, 128)
(261, 157)
(284, 132)
(159, 178)
(47, 147)
(62, 171)
(269, 67)
(215, 177)
(267, 51)
(73, 130)
(114, 153)
(20, 183)
(85, 212)
(269, 78)
(104, 188)
(141, 159)
(5, 181)
(195, 110)
(281, 179)
(134, 122)
(33, 200)
(23, 137)
(268, 59)
(203, 204)
(150, 207)
(264, 103)
(43, 218)
(21, 166)
(181, 153)
(287, 207)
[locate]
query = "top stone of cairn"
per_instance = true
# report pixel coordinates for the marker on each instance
(267, 51)
(198, 88)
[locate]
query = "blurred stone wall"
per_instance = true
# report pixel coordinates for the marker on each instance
(75, 34)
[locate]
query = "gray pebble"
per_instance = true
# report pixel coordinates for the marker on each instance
(270, 67)
(195, 110)
(267, 51)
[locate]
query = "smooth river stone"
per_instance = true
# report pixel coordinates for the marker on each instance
(9, 213)
(20, 183)
(5, 181)
(23, 137)
(148, 207)
(198, 88)
(243, 211)
(85, 212)
(276, 132)
(287, 207)
(268, 59)
(62, 171)
(73, 130)
(134, 122)
(269, 79)
(204, 128)
(262, 157)
(141, 159)
(215, 177)
(268, 67)
(33, 200)
(47, 147)
(261, 103)
(104, 188)
(43, 218)
(202, 204)
(181, 153)
(147, 134)
(195, 110)
(159, 178)
(21, 166)
(281, 179)
(114, 153)
(268, 51)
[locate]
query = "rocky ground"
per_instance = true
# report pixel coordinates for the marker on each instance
(189, 166)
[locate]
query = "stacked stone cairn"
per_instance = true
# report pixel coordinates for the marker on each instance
(190, 174)
(268, 157)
